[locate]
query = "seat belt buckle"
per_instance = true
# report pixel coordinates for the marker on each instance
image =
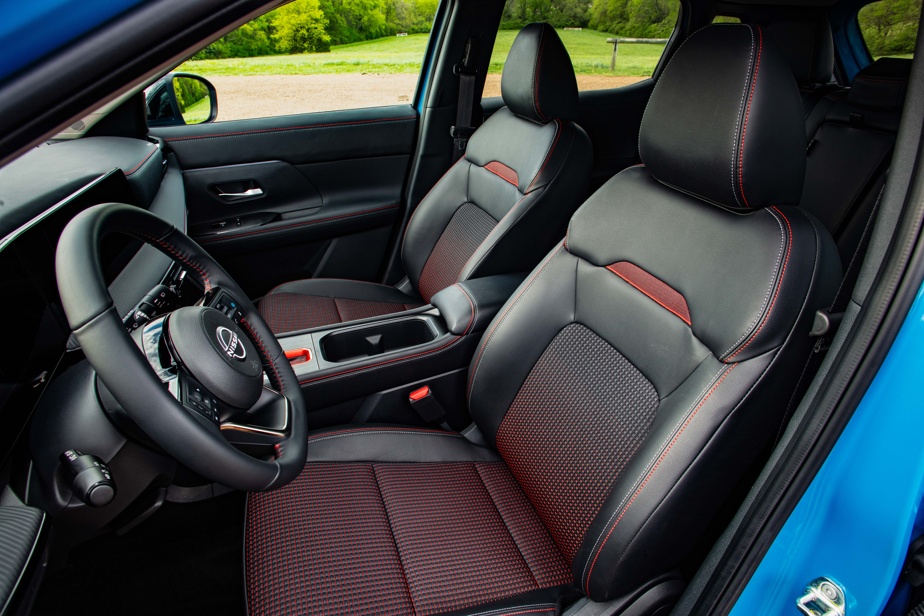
(461, 135)
(460, 68)
(426, 405)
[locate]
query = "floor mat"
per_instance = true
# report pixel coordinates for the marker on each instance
(186, 559)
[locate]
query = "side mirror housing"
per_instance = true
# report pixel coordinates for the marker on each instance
(177, 99)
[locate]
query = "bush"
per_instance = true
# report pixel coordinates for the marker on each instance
(890, 26)
(300, 27)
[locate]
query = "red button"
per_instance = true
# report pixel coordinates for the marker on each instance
(420, 394)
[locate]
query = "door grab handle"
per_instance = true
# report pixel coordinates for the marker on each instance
(251, 192)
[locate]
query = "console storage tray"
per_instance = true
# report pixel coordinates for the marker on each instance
(376, 339)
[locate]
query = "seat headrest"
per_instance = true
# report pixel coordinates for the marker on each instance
(724, 122)
(881, 85)
(808, 46)
(538, 82)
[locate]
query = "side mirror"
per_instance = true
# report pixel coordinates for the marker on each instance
(177, 99)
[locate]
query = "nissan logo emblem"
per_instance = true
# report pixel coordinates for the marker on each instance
(230, 343)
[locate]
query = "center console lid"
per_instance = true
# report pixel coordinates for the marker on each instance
(468, 307)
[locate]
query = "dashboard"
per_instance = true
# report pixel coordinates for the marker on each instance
(42, 191)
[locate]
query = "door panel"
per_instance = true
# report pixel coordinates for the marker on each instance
(282, 198)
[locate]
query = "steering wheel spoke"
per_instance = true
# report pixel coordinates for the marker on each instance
(262, 427)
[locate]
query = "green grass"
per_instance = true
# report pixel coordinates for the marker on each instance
(589, 51)
(198, 112)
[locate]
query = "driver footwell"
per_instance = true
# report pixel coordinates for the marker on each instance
(186, 559)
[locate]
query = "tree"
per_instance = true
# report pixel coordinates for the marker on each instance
(636, 18)
(558, 13)
(300, 27)
(890, 26)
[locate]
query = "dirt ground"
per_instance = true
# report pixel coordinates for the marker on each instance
(271, 95)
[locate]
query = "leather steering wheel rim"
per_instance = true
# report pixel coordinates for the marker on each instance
(131, 379)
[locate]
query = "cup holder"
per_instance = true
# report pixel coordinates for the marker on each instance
(376, 339)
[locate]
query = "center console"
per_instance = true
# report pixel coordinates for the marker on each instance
(349, 361)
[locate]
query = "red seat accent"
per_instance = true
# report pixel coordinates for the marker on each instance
(658, 290)
(503, 171)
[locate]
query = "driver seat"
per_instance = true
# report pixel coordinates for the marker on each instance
(620, 394)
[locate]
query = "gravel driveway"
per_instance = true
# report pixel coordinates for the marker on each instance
(272, 95)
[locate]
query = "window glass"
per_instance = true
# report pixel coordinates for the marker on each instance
(588, 29)
(890, 27)
(318, 55)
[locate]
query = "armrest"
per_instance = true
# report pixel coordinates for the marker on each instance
(486, 295)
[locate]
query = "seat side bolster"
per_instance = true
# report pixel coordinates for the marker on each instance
(384, 443)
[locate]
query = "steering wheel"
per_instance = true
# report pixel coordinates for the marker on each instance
(193, 380)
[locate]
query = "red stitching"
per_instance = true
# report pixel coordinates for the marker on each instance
(498, 321)
(417, 209)
(179, 255)
(399, 428)
(308, 223)
(146, 159)
(499, 169)
(536, 74)
(778, 286)
(652, 471)
(548, 157)
(284, 129)
(682, 317)
(265, 353)
(747, 113)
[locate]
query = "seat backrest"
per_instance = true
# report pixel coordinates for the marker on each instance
(645, 363)
(808, 46)
(851, 149)
(500, 208)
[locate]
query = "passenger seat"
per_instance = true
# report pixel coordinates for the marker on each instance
(850, 132)
(808, 46)
(498, 210)
(851, 150)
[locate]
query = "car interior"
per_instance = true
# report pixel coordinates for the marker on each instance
(515, 355)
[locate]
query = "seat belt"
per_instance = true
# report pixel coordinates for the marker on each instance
(468, 73)
(827, 320)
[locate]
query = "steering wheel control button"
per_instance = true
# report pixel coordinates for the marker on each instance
(199, 400)
(91, 480)
(158, 301)
(227, 305)
(217, 354)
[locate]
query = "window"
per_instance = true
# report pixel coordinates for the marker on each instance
(890, 27)
(588, 28)
(318, 55)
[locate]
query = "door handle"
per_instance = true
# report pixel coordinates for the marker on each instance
(250, 192)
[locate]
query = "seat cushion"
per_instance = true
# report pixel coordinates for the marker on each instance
(314, 303)
(393, 520)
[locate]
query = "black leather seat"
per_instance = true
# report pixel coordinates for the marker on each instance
(807, 43)
(850, 132)
(496, 211)
(621, 391)
(851, 148)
